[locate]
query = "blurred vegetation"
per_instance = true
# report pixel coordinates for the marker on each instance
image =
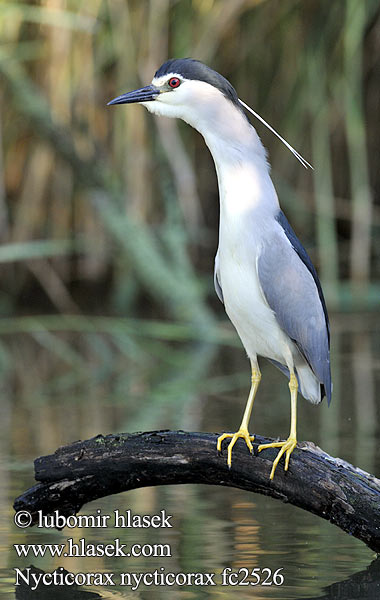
(109, 217)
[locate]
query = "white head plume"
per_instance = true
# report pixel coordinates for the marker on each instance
(298, 156)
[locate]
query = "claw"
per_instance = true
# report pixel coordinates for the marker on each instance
(242, 433)
(287, 447)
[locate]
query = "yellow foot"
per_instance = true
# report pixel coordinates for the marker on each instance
(242, 433)
(287, 447)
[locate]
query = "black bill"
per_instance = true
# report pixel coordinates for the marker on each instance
(145, 94)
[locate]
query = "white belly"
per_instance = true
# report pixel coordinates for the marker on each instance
(252, 317)
(246, 306)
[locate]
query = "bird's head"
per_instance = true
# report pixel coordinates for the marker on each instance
(187, 89)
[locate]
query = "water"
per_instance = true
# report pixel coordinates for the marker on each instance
(214, 528)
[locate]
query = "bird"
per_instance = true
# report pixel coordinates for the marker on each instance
(262, 274)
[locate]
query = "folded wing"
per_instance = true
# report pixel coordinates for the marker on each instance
(292, 289)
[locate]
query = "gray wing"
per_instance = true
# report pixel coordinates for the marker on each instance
(293, 292)
(218, 287)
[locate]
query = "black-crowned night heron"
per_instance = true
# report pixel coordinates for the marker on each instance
(263, 275)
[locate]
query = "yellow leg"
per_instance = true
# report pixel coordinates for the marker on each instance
(243, 429)
(291, 442)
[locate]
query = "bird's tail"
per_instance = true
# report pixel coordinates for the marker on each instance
(309, 386)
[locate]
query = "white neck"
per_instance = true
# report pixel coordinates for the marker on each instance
(240, 160)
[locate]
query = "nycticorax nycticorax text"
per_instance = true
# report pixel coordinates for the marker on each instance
(263, 275)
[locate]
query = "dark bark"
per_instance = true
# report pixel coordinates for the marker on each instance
(84, 471)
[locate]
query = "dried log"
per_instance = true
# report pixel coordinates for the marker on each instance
(86, 470)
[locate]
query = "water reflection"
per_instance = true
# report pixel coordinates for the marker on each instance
(214, 528)
(364, 585)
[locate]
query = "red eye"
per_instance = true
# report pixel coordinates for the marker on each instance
(174, 82)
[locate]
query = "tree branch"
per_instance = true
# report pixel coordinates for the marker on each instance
(86, 470)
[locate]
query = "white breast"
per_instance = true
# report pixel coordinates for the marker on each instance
(244, 302)
(248, 205)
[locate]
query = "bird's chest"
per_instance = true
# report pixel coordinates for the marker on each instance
(240, 244)
(238, 254)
